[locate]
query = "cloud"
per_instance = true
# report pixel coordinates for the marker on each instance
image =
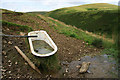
(47, 5)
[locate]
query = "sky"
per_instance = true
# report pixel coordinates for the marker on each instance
(46, 5)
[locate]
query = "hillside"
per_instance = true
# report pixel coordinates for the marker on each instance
(75, 46)
(86, 7)
(99, 18)
(13, 64)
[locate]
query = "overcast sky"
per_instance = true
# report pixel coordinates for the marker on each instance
(46, 5)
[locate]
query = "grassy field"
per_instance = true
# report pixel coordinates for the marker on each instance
(99, 18)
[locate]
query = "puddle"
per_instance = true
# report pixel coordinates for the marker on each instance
(41, 47)
(101, 66)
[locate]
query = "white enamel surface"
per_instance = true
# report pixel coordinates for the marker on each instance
(42, 35)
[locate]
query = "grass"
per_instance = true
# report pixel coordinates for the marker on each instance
(70, 31)
(17, 26)
(98, 18)
(112, 52)
(76, 33)
(46, 64)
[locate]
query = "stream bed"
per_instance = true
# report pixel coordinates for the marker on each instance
(101, 66)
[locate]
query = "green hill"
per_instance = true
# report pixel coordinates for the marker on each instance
(100, 18)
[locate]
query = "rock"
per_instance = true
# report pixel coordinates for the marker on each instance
(9, 42)
(65, 63)
(4, 52)
(9, 65)
(87, 43)
(66, 70)
(83, 42)
(26, 64)
(10, 77)
(22, 33)
(3, 70)
(1, 76)
(80, 50)
(79, 59)
(4, 41)
(9, 72)
(9, 61)
(89, 72)
(64, 75)
(5, 56)
(18, 77)
(4, 75)
(16, 63)
(3, 45)
(78, 66)
(8, 29)
(84, 67)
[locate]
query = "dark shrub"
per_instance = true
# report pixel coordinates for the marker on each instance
(72, 35)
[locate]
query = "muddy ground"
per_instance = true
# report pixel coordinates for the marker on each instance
(69, 49)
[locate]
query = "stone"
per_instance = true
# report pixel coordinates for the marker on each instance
(78, 66)
(1, 76)
(88, 72)
(9, 61)
(22, 33)
(26, 64)
(66, 70)
(9, 72)
(83, 42)
(16, 63)
(9, 42)
(18, 77)
(3, 70)
(8, 29)
(84, 67)
(79, 59)
(80, 50)
(4, 52)
(5, 41)
(10, 77)
(87, 43)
